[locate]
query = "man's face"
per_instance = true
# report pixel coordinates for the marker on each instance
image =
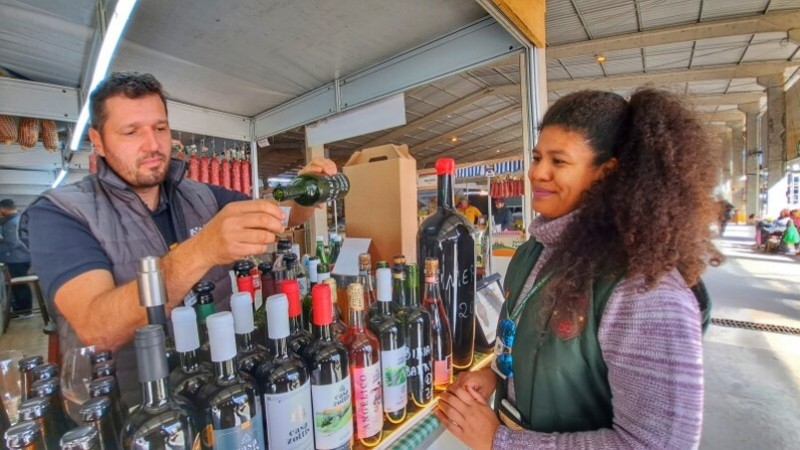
(135, 139)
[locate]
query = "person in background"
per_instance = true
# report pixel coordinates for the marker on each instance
(86, 238)
(795, 215)
(472, 213)
(726, 213)
(16, 257)
(600, 339)
(502, 215)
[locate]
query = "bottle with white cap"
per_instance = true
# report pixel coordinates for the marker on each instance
(392, 338)
(285, 385)
(230, 406)
(250, 354)
(193, 373)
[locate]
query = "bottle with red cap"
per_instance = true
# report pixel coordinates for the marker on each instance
(299, 337)
(449, 237)
(329, 368)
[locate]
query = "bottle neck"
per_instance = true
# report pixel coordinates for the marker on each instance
(190, 361)
(357, 319)
(245, 342)
(385, 308)
(399, 291)
(296, 324)
(155, 394)
(444, 194)
(280, 348)
(413, 294)
(225, 371)
(294, 190)
(323, 332)
(432, 287)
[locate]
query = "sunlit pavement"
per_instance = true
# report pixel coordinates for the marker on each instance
(752, 378)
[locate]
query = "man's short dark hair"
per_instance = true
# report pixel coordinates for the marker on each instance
(130, 84)
(7, 203)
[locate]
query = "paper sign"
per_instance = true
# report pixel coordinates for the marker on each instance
(489, 300)
(347, 262)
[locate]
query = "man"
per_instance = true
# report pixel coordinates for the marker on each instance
(86, 238)
(15, 256)
(502, 215)
(468, 210)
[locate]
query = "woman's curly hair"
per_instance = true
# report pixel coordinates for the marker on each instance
(652, 213)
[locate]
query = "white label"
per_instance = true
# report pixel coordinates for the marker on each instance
(395, 387)
(303, 282)
(289, 419)
(367, 400)
(190, 299)
(333, 414)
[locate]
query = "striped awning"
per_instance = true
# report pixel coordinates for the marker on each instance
(500, 168)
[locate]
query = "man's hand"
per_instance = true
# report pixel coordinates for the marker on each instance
(240, 229)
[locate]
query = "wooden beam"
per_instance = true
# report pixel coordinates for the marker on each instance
(468, 127)
(528, 16)
(734, 98)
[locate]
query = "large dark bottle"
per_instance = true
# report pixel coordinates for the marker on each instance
(25, 436)
(285, 385)
(449, 237)
(417, 321)
(160, 422)
(250, 354)
(204, 307)
(311, 189)
(441, 341)
(81, 438)
(365, 371)
(26, 366)
(193, 373)
(229, 404)
(392, 337)
(299, 338)
(51, 390)
(153, 297)
(330, 377)
(38, 410)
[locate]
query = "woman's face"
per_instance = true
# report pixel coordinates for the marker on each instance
(562, 169)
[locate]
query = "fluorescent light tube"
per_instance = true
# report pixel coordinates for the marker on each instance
(59, 178)
(108, 48)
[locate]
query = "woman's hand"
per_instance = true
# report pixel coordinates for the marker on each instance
(483, 381)
(465, 413)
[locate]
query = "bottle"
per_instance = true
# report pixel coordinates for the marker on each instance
(25, 436)
(204, 307)
(229, 404)
(250, 355)
(441, 341)
(81, 438)
(285, 385)
(44, 372)
(38, 410)
(392, 339)
(336, 246)
(50, 389)
(294, 272)
(330, 377)
(322, 254)
(338, 326)
(26, 366)
(365, 279)
(365, 371)
(192, 374)
(5, 423)
(299, 337)
(417, 321)
(268, 288)
(399, 283)
(313, 264)
(104, 369)
(323, 274)
(153, 296)
(449, 237)
(160, 421)
(311, 189)
(108, 386)
(101, 356)
(96, 412)
(244, 278)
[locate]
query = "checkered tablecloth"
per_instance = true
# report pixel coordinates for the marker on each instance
(417, 435)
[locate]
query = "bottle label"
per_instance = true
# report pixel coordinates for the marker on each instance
(246, 436)
(289, 419)
(395, 387)
(367, 400)
(443, 371)
(333, 414)
(420, 374)
(303, 283)
(258, 298)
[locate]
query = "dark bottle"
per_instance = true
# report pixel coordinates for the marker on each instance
(399, 283)
(392, 339)
(97, 413)
(44, 372)
(338, 326)
(38, 410)
(25, 436)
(285, 385)
(336, 247)
(417, 321)
(250, 354)
(311, 189)
(268, 287)
(449, 237)
(322, 253)
(244, 278)
(108, 386)
(193, 373)
(441, 342)
(26, 366)
(330, 377)
(104, 369)
(81, 438)
(50, 389)
(229, 404)
(101, 356)
(323, 274)
(365, 279)
(5, 423)
(363, 353)
(204, 307)
(160, 422)
(153, 296)
(299, 338)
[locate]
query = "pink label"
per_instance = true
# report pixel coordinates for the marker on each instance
(367, 400)
(442, 371)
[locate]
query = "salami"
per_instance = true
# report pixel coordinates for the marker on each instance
(177, 149)
(214, 170)
(205, 168)
(246, 177)
(8, 129)
(28, 132)
(49, 135)
(236, 175)
(194, 166)
(225, 173)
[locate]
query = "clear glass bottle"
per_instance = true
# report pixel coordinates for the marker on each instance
(250, 354)
(312, 189)
(365, 280)
(193, 373)
(441, 341)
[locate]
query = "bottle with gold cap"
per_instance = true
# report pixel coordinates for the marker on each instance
(365, 371)
(441, 340)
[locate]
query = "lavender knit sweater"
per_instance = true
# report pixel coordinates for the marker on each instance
(651, 343)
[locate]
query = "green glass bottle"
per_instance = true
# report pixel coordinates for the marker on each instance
(311, 189)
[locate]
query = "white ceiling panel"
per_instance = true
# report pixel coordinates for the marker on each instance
(726, 50)
(766, 46)
(659, 14)
(668, 56)
(562, 23)
(583, 66)
(608, 17)
(623, 61)
(556, 72)
(744, 85)
(708, 87)
(719, 9)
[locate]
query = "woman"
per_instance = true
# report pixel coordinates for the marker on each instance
(601, 329)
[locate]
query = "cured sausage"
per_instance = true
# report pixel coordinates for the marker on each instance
(246, 177)
(28, 132)
(214, 170)
(236, 175)
(48, 134)
(225, 173)
(8, 129)
(194, 167)
(205, 168)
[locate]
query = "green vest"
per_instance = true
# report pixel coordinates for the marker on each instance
(560, 385)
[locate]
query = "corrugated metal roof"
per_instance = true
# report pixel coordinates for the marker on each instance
(623, 61)
(718, 9)
(660, 14)
(608, 17)
(668, 56)
(726, 50)
(770, 46)
(562, 23)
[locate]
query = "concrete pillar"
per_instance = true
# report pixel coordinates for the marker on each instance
(738, 161)
(318, 225)
(726, 179)
(775, 150)
(752, 159)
